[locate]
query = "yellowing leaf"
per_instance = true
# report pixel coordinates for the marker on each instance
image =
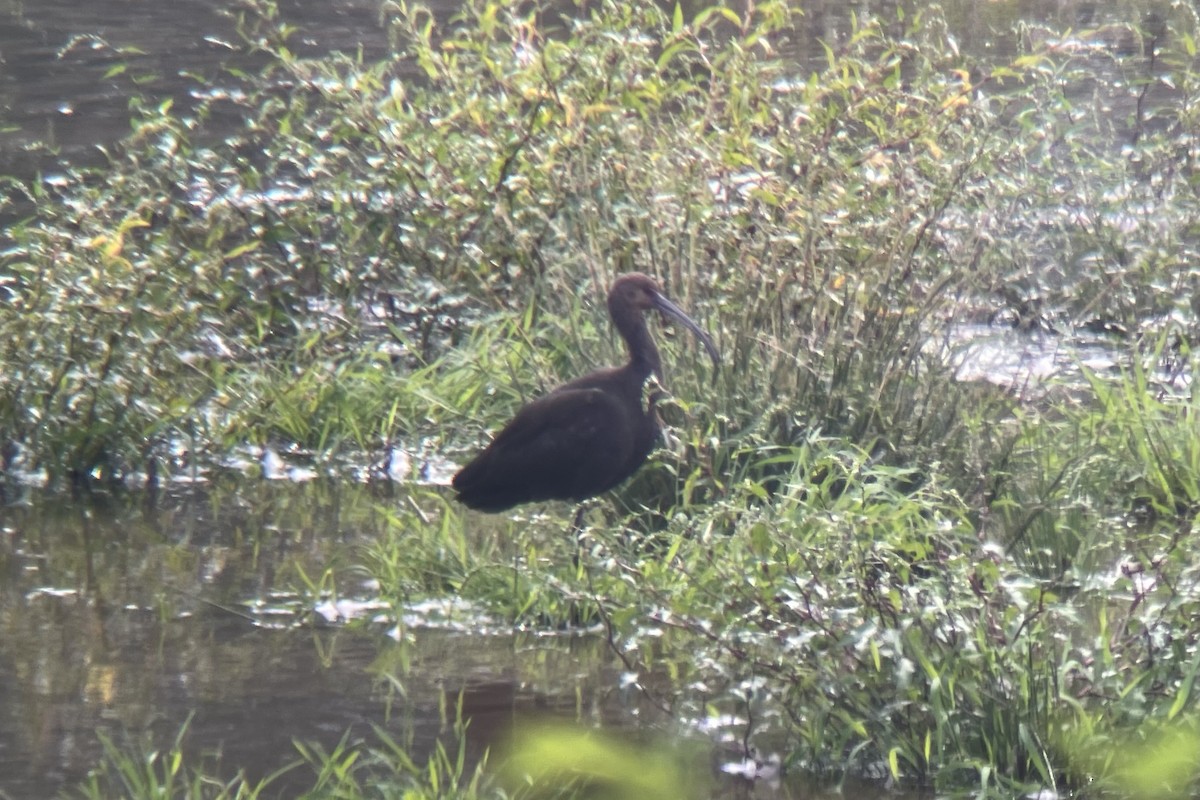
(241, 249)
(596, 109)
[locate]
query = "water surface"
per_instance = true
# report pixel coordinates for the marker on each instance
(126, 616)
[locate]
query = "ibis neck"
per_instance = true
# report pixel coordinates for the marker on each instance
(630, 323)
(643, 353)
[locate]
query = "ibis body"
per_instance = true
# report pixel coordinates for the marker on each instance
(587, 435)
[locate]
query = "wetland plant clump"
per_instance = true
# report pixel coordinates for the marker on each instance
(873, 565)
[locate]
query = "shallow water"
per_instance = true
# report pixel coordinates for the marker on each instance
(126, 618)
(129, 617)
(68, 68)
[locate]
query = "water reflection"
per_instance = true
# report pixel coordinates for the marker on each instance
(68, 68)
(122, 617)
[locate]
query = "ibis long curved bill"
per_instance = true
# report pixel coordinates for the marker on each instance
(663, 304)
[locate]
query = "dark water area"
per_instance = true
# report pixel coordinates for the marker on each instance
(69, 69)
(129, 616)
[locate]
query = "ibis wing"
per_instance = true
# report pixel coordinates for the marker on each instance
(568, 445)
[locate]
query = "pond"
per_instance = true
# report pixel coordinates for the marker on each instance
(128, 616)
(131, 617)
(69, 68)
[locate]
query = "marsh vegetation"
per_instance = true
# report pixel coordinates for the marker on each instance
(857, 557)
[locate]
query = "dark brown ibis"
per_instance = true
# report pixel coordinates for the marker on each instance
(588, 435)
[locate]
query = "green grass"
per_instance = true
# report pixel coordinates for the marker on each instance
(350, 770)
(138, 772)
